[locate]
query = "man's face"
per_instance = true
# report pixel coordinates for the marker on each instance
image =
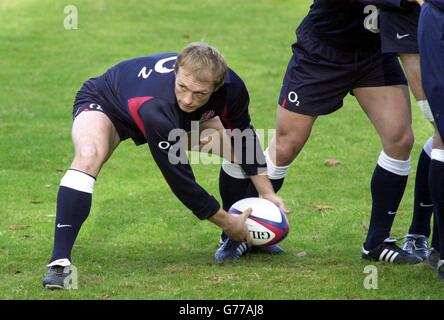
(191, 93)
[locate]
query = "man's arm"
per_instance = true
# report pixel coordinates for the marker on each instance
(173, 163)
(266, 191)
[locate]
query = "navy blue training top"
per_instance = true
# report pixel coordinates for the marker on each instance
(140, 93)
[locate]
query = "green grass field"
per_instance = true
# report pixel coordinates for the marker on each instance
(139, 242)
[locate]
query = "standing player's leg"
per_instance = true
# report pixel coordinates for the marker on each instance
(388, 108)
(412, 70)
(94, 138)
(292, 132)
(417, 238)
(416, 241)
(234, 184)
(436, 184)
(430, 40)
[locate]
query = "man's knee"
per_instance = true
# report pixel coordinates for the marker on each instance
(88, 159)
(405, 140)
(292, 132)
(94, 137)
(287, 148)
(399, 146)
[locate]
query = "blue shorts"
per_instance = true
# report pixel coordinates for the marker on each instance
(399, 31)
(87, 100)
(431, 48)
(319, 76)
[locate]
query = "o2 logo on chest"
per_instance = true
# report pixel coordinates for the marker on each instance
(371, 21)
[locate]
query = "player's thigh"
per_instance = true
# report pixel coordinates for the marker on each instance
(95, 138)
(292, 132)
(412, 69)
(388, 108)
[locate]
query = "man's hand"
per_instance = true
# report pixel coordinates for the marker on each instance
(237, 230)
(234, 225)
(273, 197)
(265, 190)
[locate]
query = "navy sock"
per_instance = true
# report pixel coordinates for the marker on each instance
(387, 189)
(422, 206)
(436, 180)
(435, 236)
(234, 189)
(73, 207)
(231, 190)
(72, 210)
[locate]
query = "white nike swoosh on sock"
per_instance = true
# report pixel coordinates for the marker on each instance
(63, 225)
(399, 37)
(425, 205)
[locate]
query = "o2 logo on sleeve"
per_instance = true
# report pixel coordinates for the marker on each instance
(371, 21)
(159, 67)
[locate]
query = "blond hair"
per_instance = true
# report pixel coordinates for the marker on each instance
(203, 60)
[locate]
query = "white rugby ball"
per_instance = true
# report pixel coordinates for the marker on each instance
(267, 223)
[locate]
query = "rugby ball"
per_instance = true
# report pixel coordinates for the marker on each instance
(267, 223)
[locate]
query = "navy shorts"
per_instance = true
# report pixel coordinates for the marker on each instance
(87, 101)
(431, 48)
(399, 31)
(319, 76)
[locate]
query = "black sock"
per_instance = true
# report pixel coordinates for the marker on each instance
(423, 206)
(435, 236)
(436, 180)
(231, 190)
(387, 189)
(234, 189)
(73, 208)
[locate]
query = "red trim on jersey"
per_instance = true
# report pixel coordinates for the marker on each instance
(134, 106)
(224, 116)
(284, 103)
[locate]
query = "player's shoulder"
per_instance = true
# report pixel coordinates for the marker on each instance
(158, 105)
(158, 112)
(159, 62)
(233, 81)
